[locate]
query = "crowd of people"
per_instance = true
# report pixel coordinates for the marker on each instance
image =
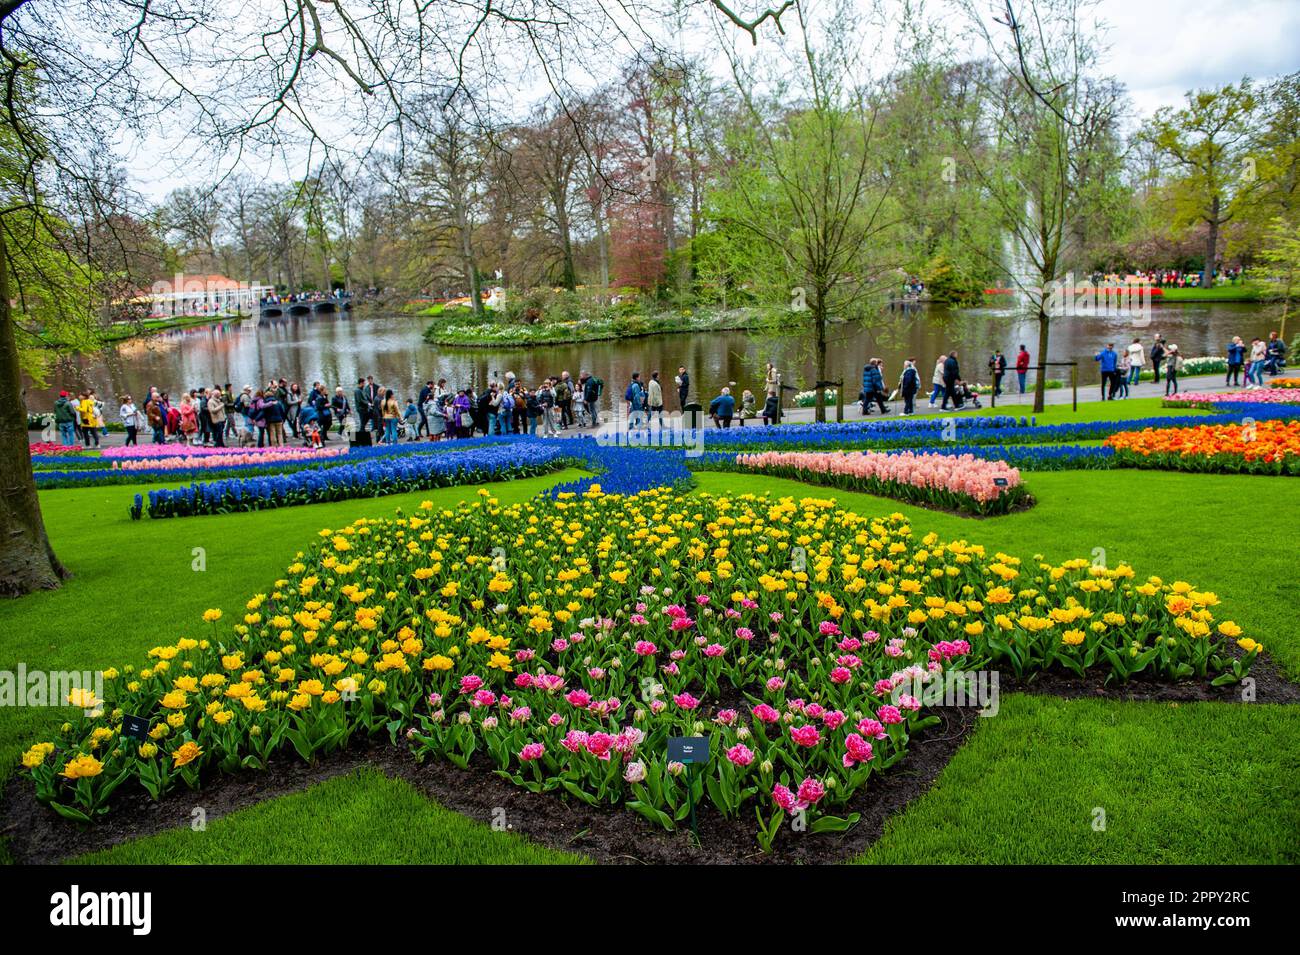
(1120, 370)
(281, 412)
(1167, 278)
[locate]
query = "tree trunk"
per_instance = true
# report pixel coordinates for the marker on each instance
(1211, 245)
(819, 330)
(1040, 377)
(27, 562)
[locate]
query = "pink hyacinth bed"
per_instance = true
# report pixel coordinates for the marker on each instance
(1207, 399)
(179, 450)
(951, 482)
(265, 457)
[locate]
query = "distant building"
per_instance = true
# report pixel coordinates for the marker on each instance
(203, 295)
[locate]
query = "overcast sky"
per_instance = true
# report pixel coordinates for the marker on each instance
(1159, 49)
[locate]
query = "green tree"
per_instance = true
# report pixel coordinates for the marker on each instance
(805, 184)
(1279, 271)
(1209, 142)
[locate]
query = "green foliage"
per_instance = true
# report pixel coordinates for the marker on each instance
(948, 284)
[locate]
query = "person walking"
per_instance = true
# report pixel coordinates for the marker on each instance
(293, 405)
(426, 395)
(873, 387)
(997, 369)
(1157, 357)
(1022, 367)
(157, 419)
(908, 385)
(1173, 365)
(951, 375)
(361, 405)
(217, 417)
(189, 419)
(341, 409)
(1108, 361)
(635, 398)
(389, 412)
(546, 401)
(1236, 359)
(1137, 357)
(273, 416)
(936, 379)
(564, 400)
(683, 382)
(375, 396)
(655, 400)
(772, 380)
(1258, 354)
(1121, 374)
(65, 419)
(130, 416)
(1274, 354)
(592, 387)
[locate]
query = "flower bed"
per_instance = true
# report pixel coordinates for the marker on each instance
(799, 637)
(394, 474)
(274, 457)
(1248, 446)
(181, 450)
(960, 429)
(1212, 399)
(51, 472)
(954, 482)
(54, 449)
(1284, 383)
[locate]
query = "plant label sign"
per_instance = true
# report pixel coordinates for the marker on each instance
(136, 727)
(688, 749)
(1000, 482)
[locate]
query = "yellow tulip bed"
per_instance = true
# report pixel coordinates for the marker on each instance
(562, 642)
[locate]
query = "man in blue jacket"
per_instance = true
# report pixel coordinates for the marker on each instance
(722, 408)
(873, 387)
(1108, 361)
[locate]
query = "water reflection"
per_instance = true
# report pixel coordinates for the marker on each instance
(339, 349)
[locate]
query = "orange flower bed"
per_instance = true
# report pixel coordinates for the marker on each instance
(1266, 446)
(1284, 383)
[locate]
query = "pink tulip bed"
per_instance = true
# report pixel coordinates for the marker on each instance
(961, 483)
(54, 449)
(1209, 399)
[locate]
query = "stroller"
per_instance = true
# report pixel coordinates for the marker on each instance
(309, 427)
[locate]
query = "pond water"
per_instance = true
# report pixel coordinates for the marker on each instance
(338, 350)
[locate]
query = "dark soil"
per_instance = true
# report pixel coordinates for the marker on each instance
(37, 835)
(1271, 686)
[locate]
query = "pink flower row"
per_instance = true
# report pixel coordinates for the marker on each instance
(180, 450)
(965, 474)
(279, 456)
(1269, 396)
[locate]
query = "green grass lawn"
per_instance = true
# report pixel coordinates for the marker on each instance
(361, 819)
(1065, 414)
(1218, 293)
(1198, 783)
